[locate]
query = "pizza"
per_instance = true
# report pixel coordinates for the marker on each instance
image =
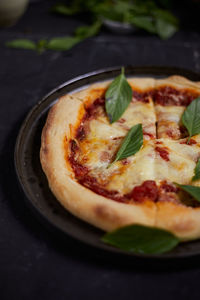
(79, 143)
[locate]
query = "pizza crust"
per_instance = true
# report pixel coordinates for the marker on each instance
(97, 210)
(178, 82)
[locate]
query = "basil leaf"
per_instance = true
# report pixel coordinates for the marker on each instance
(131, 143)
(62, 43)
(21, 44)
(141, 239)
(118, 96)
(84, 32)
(194, 191)
(164, 29)
(65, 10)
(196, 171)
(41, 45)
(191, 119)
(144, 22)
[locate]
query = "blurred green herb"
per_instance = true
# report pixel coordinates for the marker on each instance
(58, 43)
(22, 43)
(149, 15)
(145, 14)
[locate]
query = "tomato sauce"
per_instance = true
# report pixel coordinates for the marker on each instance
(142, 96)
(167, 95)
(163, 152)
(146, 191)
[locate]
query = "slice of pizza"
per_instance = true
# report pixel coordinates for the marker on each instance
(79, 145)
(172, 96)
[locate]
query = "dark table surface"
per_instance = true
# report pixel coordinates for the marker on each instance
(35, 264)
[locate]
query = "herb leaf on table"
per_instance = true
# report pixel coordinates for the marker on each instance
(22, 44)
(141, 239)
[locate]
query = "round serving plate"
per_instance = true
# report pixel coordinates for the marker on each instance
(34, 183)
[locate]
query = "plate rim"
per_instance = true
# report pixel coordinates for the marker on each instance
(27, 197)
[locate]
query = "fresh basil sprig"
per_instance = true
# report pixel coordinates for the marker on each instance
(141, 239)
(194, 191)
(196, 171)
(191, 119)
(131, 143)
(118, 96)
(58, 43)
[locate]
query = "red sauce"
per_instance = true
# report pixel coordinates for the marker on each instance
(146, 191)
(122, 120)
(142, 96)
(167, 95)
(173, 133)
(91, 110)
(73, 146)
(80, 134)
(168, 188)
(152, 136)
(125, 161)
(191, 142)
(91, 182)
(163, 152)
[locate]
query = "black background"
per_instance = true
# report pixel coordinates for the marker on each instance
(34, 264)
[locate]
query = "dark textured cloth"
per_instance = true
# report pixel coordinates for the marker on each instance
(34, 264)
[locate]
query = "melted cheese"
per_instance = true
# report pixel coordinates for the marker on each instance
(136, 171)
(103, 140)
(168, 118)
(139, 112)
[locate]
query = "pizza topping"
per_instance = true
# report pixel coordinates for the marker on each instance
(167, 95)
(92, 183)
(146, 191)
(122, 120)
(168, 187)
(79, 169)
(190, 118)
(191, 142)
(125, 161)
(105, 156)
(163, 152)
(193, 191)
(142, 96)
(73, 146)
(131, 143)
(118, 97)
(80, 134)
(148, 134)
(196, 171)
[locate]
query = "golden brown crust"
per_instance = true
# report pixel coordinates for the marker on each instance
(179, 82)
(102, 212)
(182, 220)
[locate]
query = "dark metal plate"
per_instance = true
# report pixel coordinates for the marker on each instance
(33, 180)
